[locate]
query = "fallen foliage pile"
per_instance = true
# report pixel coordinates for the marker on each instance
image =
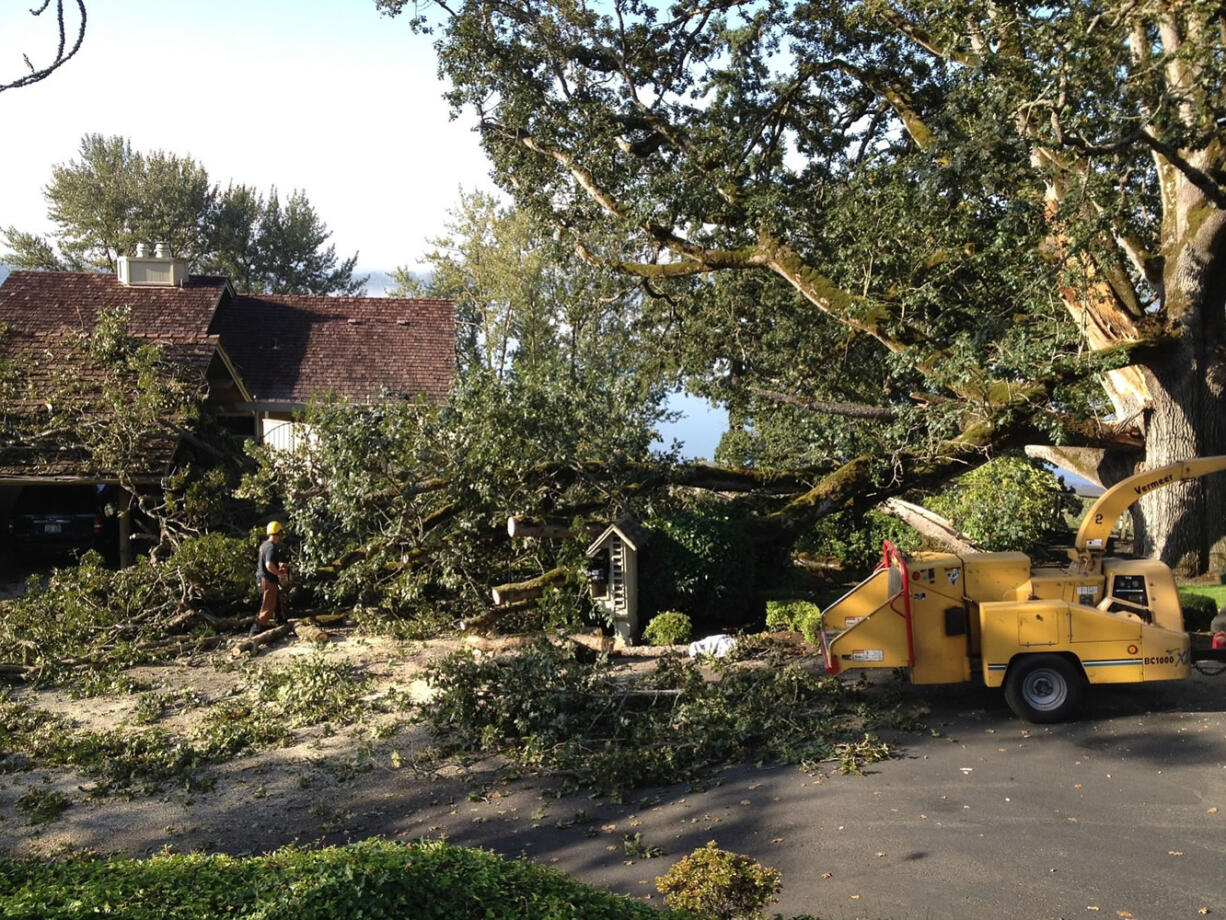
(594, 726)
(143, 757)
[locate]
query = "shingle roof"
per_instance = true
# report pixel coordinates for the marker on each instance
(48, 301)
(44, 312)
(57, 451)
(290, 347)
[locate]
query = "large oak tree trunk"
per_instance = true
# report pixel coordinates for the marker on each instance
(1184, 525)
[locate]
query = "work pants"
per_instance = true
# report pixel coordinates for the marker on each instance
(270, 602)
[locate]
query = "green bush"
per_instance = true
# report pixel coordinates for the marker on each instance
(811, 626)
(855, 540)
(1198, 610)
(375, 879)
(790, 614)
(1010, 503)
(716, 884)
(668, 628)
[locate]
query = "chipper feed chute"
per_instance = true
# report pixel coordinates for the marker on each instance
(870, 625)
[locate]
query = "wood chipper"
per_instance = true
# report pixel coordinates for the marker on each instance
(1044, 634)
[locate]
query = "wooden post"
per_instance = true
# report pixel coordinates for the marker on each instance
(125, 536)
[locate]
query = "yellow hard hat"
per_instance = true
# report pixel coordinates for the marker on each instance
(274, 527)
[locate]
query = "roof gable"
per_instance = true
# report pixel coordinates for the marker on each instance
(290, 347)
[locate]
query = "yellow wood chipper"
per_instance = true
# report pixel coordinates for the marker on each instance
(1044, 634)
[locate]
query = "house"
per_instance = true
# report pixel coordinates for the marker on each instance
(255, 359)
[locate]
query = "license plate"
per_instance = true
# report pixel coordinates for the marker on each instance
(52, 528)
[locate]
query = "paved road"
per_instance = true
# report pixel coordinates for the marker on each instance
(1121, 814)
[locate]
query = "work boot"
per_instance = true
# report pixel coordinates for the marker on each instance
(256, 629)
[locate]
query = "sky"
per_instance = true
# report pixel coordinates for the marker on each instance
(326, 96)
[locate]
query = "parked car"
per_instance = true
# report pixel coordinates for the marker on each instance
(58, 522)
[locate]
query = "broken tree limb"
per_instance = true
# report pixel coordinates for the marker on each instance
(930, 525)
(484, 622)
(525, 590)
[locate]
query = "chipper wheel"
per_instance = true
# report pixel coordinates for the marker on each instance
(1044, 688)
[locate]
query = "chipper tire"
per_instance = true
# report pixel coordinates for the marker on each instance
(1044, 688)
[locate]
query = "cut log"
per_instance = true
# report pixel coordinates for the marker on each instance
(484, 622)
(524, 527)
(544, 530)
(17, 672)
(309, 632)
(253, 643)
(526, 590)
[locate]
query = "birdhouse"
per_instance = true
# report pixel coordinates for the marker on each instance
(612, 573)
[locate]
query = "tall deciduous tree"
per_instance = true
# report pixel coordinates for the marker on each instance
(989, 205)
(526, 304)
(113, 197)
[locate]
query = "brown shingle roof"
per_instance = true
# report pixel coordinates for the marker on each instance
(289, 347)
(44, 313)
(57, 451)
(286, 348)
(48, 301)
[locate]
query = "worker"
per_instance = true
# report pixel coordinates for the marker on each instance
(271, 575)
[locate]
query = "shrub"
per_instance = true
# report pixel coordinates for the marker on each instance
(720, 885)
(855, 540)
(1198, 611)
(790, 614)
(811, 626)
(668, 628)
(1011, 503)
(370, 879)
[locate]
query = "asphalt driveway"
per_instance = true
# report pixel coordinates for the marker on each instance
(1121, 814)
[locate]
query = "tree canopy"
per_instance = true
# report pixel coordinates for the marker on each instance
(956, 228)
(113, 197)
